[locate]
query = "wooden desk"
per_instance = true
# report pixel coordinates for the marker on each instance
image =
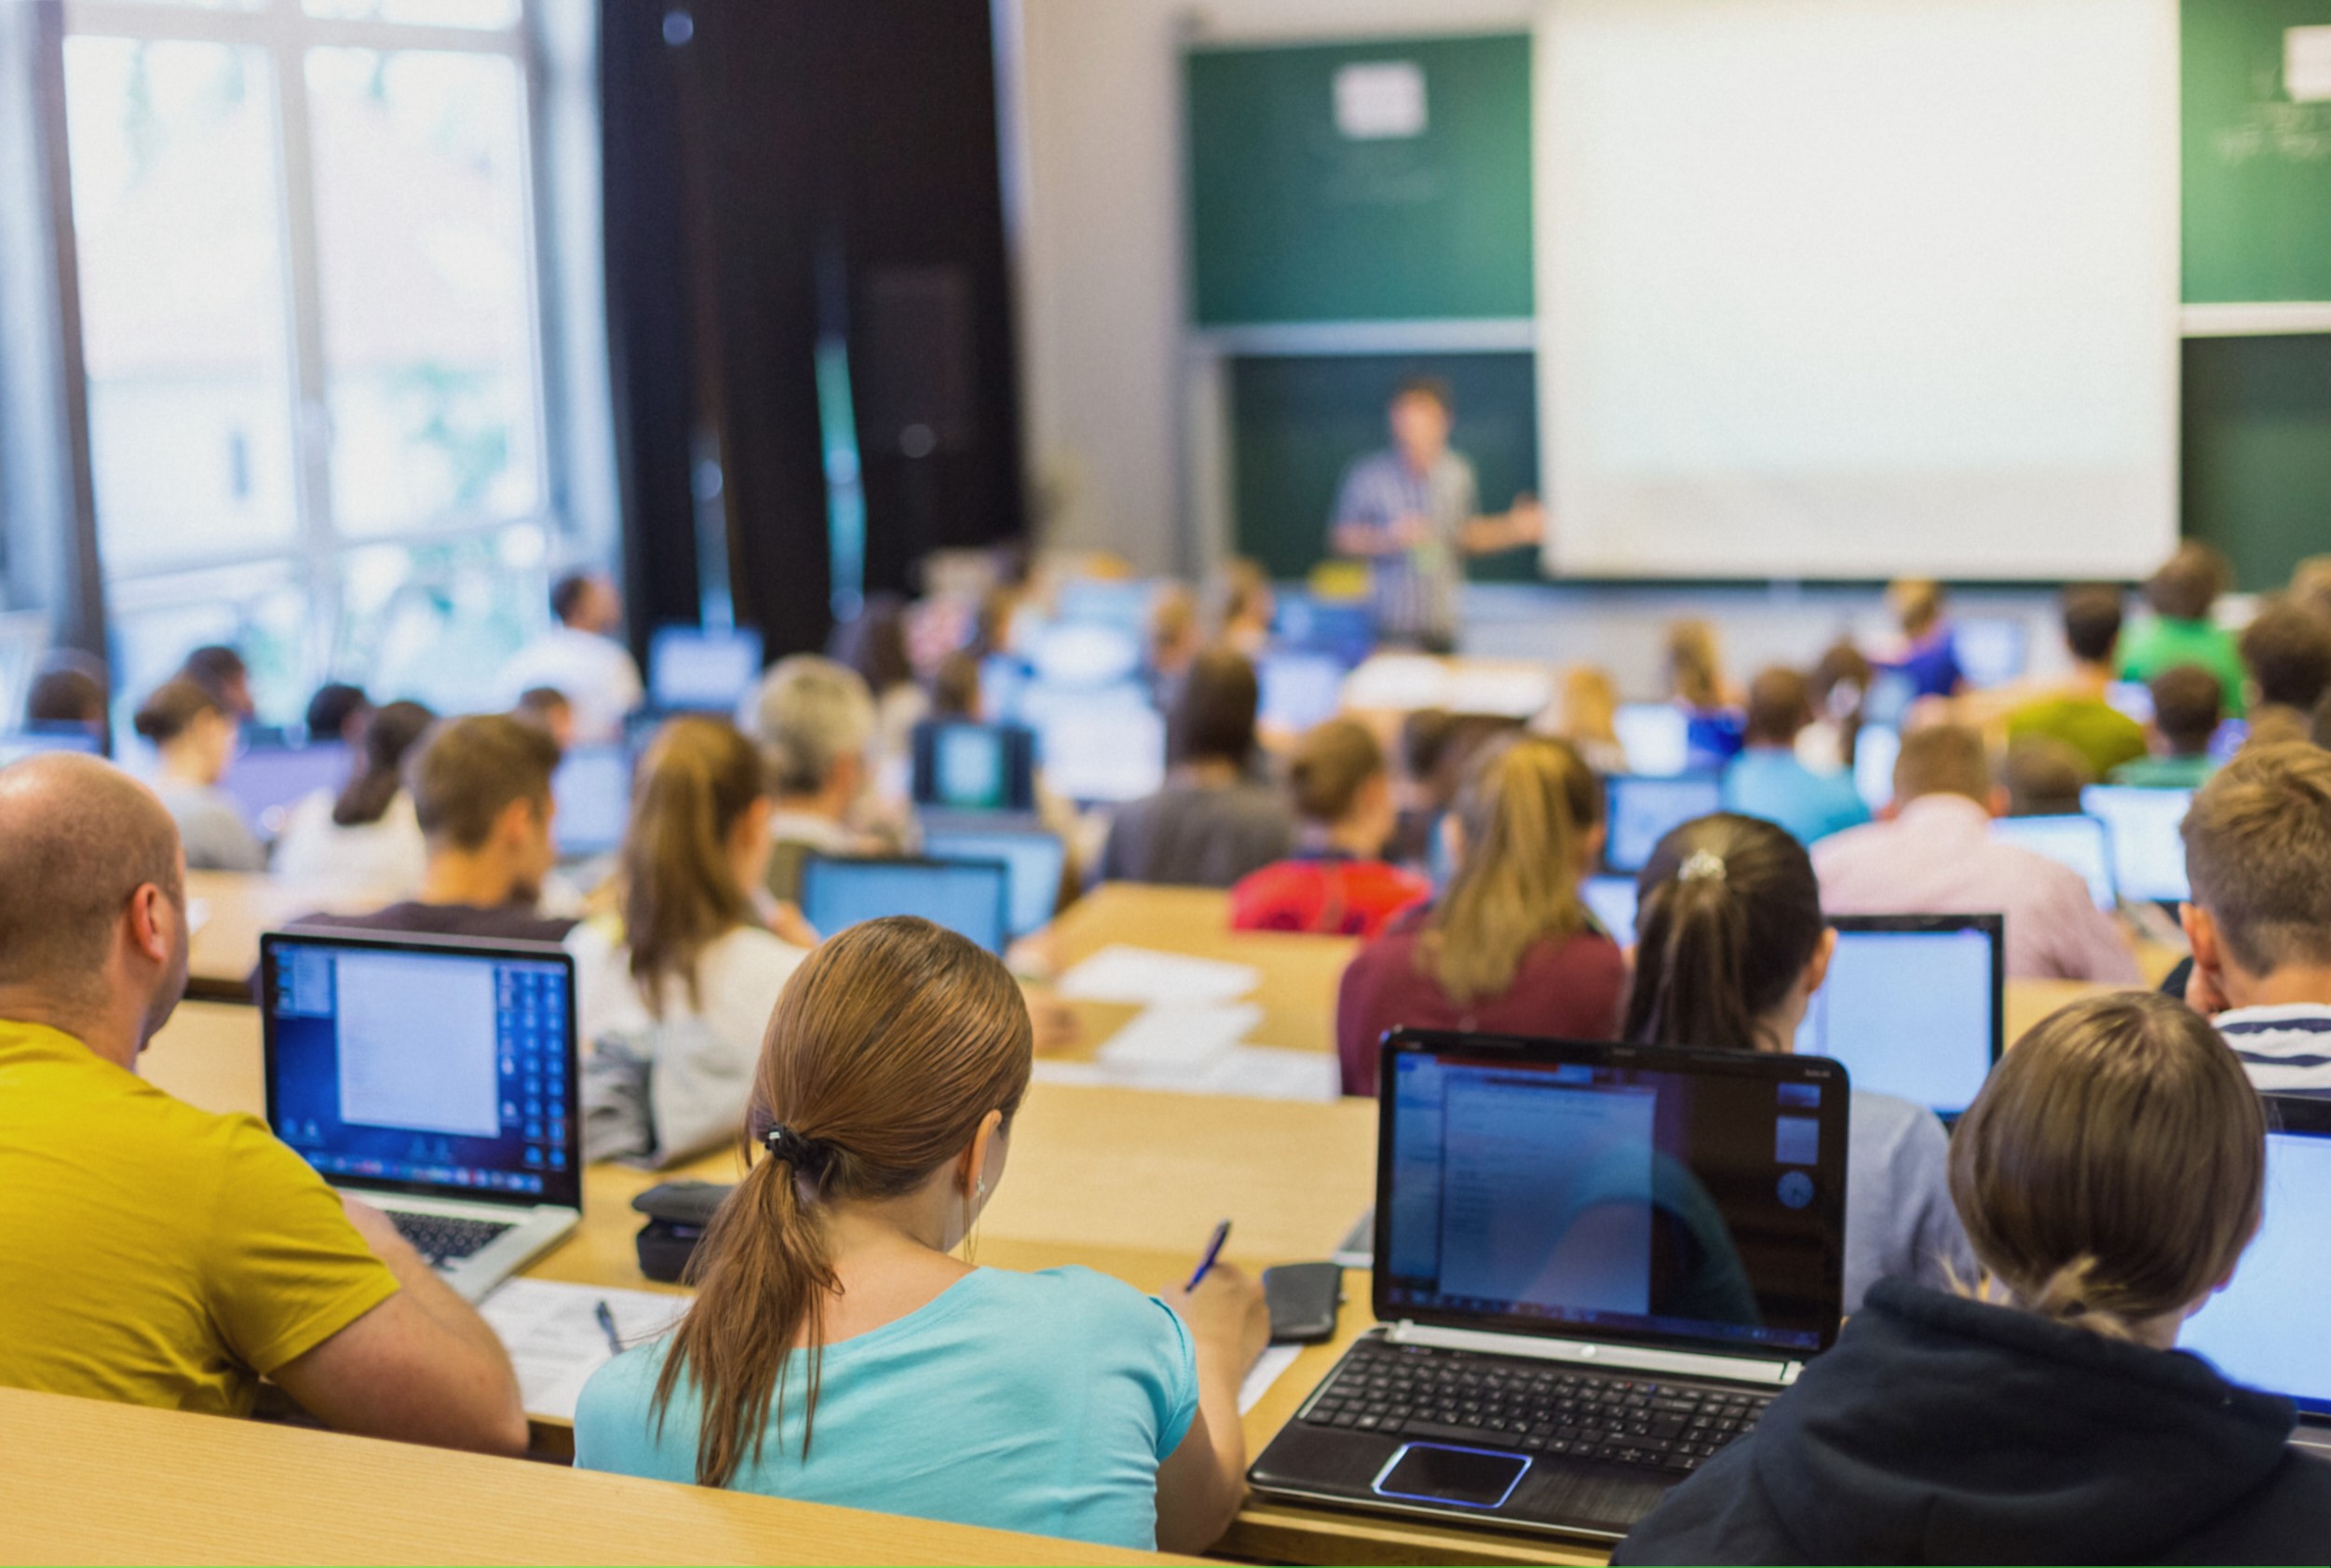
(237, 906)
(204, 1489)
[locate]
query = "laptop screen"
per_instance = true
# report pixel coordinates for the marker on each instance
(1656, 736)
(1612, 899)
(1643, 811)
(2266, 1328)
(429, 1067)
(974, 767)
(1914, 1005)
(971, 897)
(268, 781)
(1100, 746)
(1299, 688)
(31, 743)
(1688, 1198)
(701, 669)
(1034, 862)
(593, 789)
(2076, 841)
(1875, 750)
(2148, 857)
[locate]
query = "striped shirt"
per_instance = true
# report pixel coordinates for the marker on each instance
(1415, 591)
(2285, 1050)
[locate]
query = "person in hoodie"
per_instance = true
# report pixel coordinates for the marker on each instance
(2110, 1174)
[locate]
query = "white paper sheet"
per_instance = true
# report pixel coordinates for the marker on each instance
(555, 1339)
(1122, 973)
(1267, 1369)
(1177, 1040)
(1268, 1073)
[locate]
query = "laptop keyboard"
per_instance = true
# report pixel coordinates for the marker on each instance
(443, 1240)
(1503, 1402)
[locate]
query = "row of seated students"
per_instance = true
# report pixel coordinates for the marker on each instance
(2006, 1389)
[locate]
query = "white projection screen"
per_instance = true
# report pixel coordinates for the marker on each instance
(1858, 288)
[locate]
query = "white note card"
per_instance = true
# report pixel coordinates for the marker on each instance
(1267, 1369)
(1122, 973)
(2307, 64)
(1380, 99)
(556, 1341)
(1185, 1039)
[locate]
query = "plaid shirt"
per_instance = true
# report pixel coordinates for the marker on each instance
(1415, 591)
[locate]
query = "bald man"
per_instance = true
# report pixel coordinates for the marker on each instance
(157, 1254)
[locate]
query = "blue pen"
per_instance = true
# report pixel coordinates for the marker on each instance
(607, 1325)
(1213, 1250)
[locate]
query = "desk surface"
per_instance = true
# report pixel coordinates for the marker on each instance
(204, 1489)
(237, 906)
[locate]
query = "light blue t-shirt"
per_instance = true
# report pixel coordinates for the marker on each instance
(1900, 1223)
(1037, 1402)
(1775, 786)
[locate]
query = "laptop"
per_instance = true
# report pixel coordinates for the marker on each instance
(35, 740)
(963, 765)
(1992, 650)
(1034, 862)
(1656, 736)
(2266, 1328)
(2141, 826)
(1300, 688)
(1098, 747)
(435, 1079)
(701, 669)
(1595, 1265)
(1644, 810)
(969, 897)
(1914, 1006)
(1875, 750)
(265, 780)
(592, 791)
(2078, 841)
(1611, 899)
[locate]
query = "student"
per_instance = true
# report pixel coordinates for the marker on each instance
(195, 736)
(547, 709)
(481, 790)
(1587, 716)
(1730, 947)
(1249, 606)
(161, 1255)
(1937, 857)
(1435, 748)
(2182, 594)
(1928, 657)
(368, 834)
(1767, 780)
(337, 714)
(1213, 823)
(1171, 639)
(873, 643)
(2187, 708)
(2109, 1174)
(1508, 948)
(1337, 882)
(838, 1353)
(814, 720)
(219, 671)
(2044, 777)
(2286, 649)
(2258, 854)
(954, 688)
(68, 695)
(1840, 688)
(1696, 682)
(673, 990)
(2077, 713)
(582, 658)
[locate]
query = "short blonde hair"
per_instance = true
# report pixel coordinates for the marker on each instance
(2259, 855)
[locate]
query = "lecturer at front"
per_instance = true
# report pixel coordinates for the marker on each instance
(1414, 513)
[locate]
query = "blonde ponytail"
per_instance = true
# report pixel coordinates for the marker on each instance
(679, 891)
(1524, 808)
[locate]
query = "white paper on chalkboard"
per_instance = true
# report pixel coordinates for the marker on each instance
(1380, 99)
(2307, 64)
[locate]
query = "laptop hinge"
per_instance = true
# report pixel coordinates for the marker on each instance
(1598, 1353)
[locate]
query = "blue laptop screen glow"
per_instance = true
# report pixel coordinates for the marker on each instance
(2077, 842)
(1612, 898)
(1300, 689)
(1656, 736)
(449, 1070)
(2148, 856)
(2265, 1328)
(969, 900)
(266, 781)
(1910, 1014)
(702, 669)
(593, 791)
(1035, 862)
(1643, 811)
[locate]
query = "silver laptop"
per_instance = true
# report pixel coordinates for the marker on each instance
(435, 1078)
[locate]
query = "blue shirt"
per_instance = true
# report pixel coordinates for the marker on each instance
(1900, 1224)
(1417, 590)
(1037, 1402)
(1775, 786)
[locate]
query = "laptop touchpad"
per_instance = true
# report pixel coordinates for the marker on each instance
(1470, 1478)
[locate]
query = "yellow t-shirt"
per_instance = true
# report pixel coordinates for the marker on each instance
(152, 1254)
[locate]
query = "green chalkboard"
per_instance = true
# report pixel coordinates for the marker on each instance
(1293, 220)
(2257, 451)
(2257, 165)
(1298, 421)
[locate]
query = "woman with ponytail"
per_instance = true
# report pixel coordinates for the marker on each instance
(838, 1352)
(2110, 1173)
(367, 835)
(1729, 948)
(674, 986)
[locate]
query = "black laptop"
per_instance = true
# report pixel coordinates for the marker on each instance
(1596, 1265)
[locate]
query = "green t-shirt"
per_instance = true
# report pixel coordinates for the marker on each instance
(2160, 644)
(2100, 733)
(2165, 773)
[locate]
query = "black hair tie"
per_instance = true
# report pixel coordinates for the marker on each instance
(804, 1155)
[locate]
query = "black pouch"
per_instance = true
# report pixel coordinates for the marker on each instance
(677, 1213)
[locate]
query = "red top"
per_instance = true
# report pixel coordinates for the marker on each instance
(1326, 895)
(1573, 989)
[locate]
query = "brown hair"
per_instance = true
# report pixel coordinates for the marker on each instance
(680, 894)
(1172, 620)
(174, 705)
(1918, 603)
(2112, 1166)
(2045, 777)
(2187, 703)
(1695, 671)
(1214, 715)
(1245, 586)
(1780, 704)
(1332, 763)
(2287, 649)
(2091, 620)
(2184, 586)
(1524, 806)
(1729, 915)
(1942, 760)
(955, 687)
(2258, 854)
(888, 1047)
(1590, 706)
(393, 732)
(2311, 585)
(467, 771)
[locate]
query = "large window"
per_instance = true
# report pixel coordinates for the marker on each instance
(312, 323)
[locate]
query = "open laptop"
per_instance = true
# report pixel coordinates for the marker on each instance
(701, 669)
(1299, 687)
(34, 740)
(267, 780)
(1034, 862)
(1611, 899)
(969, 897)
(436, 1079)
(1875, 750)
(2266, 1328)
(592, 791)
(960, 765)
(2078, 840)
(1644, 810)
(1595, 1265)
(1101, 746)
(2141, 825)
(1656, 736)
(1914, 1006)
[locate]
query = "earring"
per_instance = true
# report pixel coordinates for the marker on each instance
(979, 1189)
